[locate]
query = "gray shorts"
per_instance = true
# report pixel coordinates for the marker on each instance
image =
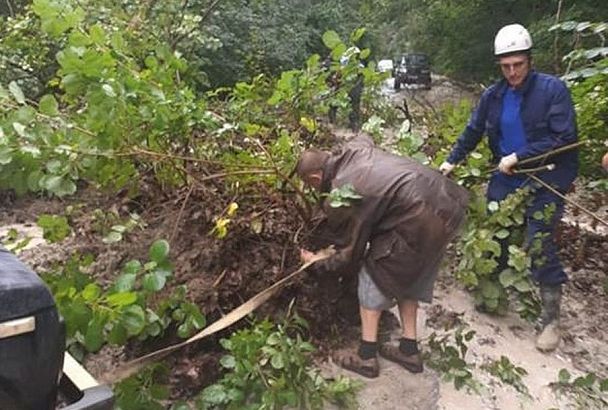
(370, 297)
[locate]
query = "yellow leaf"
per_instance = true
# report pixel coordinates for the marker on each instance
(232, 208)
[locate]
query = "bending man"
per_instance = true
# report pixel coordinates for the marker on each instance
(396, 227)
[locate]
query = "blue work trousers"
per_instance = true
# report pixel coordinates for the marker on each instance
(546, 267)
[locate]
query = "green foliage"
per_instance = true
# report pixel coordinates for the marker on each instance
(343, 196)
(111, 227)
(269, 367)
(588, 391)
(587, 72)
(129, 308)
(409, 143)
(508, 373)
(489, 224)
(55, 228)
(448, 357)
(144, 390)
(117, 104)
(447, 127)
(375, 127)
(103, 99)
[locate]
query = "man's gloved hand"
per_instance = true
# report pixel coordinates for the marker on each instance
(506, 163)
(446, 168)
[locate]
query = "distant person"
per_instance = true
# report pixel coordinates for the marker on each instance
(395, 235)
(356, 91)
(525, 114)
(605, 162)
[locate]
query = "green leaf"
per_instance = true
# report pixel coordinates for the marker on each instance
(93, 339)
(507, 277)
(125, 282)
(133, 318)
(19, 129)
(154, 281)
(502, 234)
(357, 34)
(538, 215)
(159, 392)
(108, 90)
(91, 292)
(523, 286)
(6, 155)
(228, 362)
(215, 395)
(122, 298)
(58, 185)
(564, 376)
(489, 290)
(97, 34)
(55, 228)
(112, 237)
(16, 92)
(132, 267)
(154, 329)
(273, 339)
(48, 105)
(118, 335)
(277, 361)
(331, 39)
(159, 250)
(3, 93)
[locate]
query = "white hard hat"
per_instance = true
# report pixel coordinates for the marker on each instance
(512, 38)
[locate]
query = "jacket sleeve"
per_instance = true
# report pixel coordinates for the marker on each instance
(561, 123)
(358, 231)
(473, 132)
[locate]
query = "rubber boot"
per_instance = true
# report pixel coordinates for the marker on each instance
(549, 337)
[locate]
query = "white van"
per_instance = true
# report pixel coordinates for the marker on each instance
(385, 65)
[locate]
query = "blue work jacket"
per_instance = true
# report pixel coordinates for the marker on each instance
(549, 122)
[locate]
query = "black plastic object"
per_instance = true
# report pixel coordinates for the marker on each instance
(30, 361)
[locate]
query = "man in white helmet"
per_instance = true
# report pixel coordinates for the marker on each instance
(524, 115)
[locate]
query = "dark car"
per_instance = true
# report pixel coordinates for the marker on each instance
(412, 68)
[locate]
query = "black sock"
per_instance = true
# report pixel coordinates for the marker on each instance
(408, 346)
(368, 350)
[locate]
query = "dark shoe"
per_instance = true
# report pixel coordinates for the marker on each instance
(349, 359)
(412, 363)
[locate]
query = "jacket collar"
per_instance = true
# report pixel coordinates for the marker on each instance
(528, 82)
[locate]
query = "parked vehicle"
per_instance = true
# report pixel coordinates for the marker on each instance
(412, 68)
(35, 372)
(385, 65)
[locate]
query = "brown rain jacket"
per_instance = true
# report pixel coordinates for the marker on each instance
(408, 214)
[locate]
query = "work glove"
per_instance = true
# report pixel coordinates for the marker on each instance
(446, 168)
(506, 163)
